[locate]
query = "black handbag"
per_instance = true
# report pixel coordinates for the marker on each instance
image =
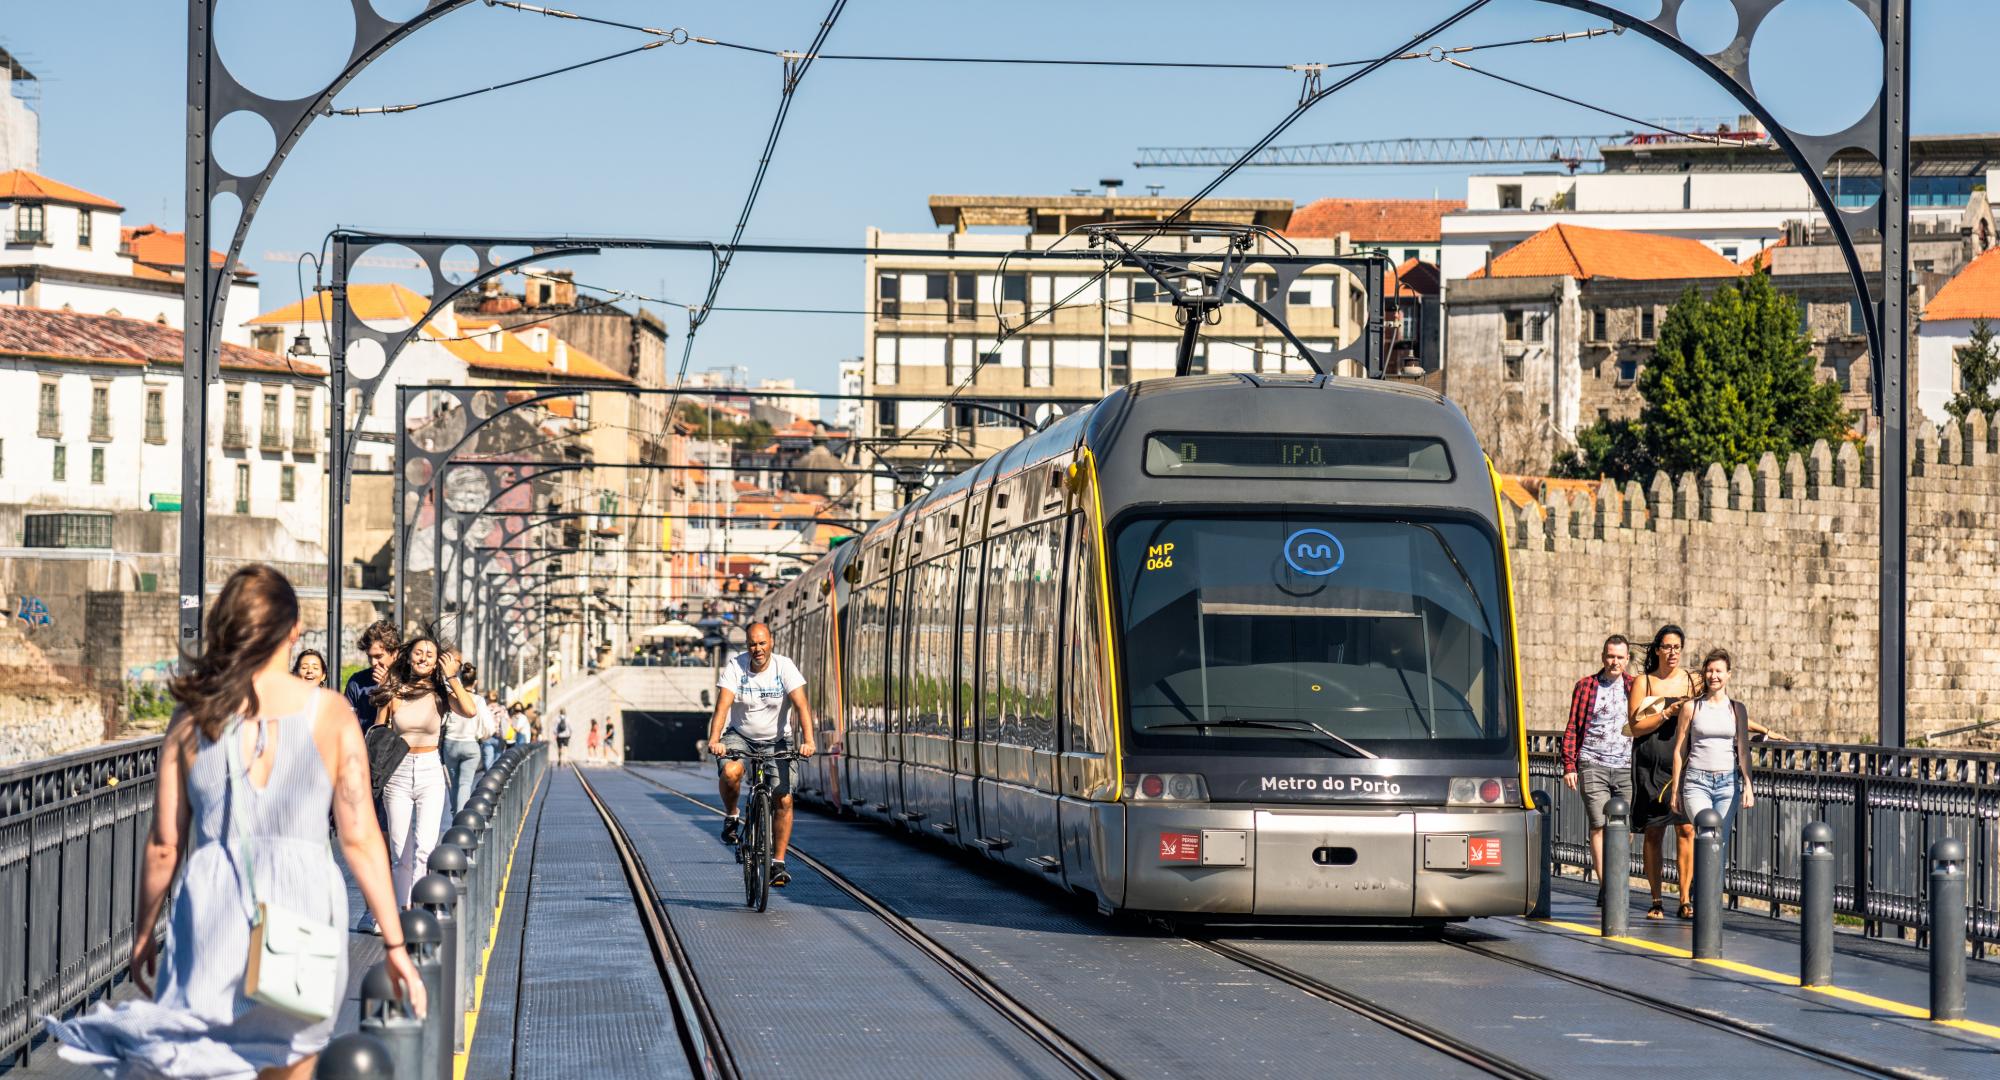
(386, 751)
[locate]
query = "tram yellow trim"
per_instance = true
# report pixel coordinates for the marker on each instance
(1109, 645)
(1513, 629)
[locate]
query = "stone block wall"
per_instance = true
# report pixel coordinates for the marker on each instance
(1777, 564)
(41, 713)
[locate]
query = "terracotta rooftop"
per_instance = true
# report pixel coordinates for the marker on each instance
(1762, 259)
(372, 301)
(1413, 277)
(1395, 221)
(1973, 294)
(20, 185)
(42, 334)
(152, 246)
(1582, 253)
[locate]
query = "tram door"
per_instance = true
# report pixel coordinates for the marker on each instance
(894, 751)
(965, 690)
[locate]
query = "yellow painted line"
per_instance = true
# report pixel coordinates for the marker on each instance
(1855, 997)
(459, 1058)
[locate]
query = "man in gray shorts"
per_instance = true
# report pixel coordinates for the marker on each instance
(760, 697)
(1596, 752)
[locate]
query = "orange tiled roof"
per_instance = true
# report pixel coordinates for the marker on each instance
(1973, 294)
(1583, 253)
(1762, 259)
(1400, 221)
(42, 334)
(1413, 276)
(20, 185)
(372, 301)
(515, 354)
(150, 245)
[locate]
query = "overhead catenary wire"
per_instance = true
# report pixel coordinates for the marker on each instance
(1676, 132)
(370, 110)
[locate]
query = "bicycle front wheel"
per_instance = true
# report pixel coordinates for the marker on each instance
(750, 852)
(765, 844)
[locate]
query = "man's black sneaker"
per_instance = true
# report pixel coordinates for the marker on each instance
(731, 830)
(779, 878)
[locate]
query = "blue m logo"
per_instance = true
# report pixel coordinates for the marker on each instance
(1314, 552)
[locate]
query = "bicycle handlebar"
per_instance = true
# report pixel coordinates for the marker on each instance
(739, 755)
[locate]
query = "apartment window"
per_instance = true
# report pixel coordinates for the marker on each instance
(302, 424)
(1411, 254)
(1511, 367)
(97, 464)
(937, 287)
(1510, 196)
(1646, 324)
(1121, 366)
(1729, 252)
(233, 437)
(1535, 326)
(1598, 327)
(100, 412)
(885, 416)
(28, 224)
(1299, 298)
(156, 417)
(66, 530)
(242, 487)
(49, 419)
(1147, 292)
(1514, 320)
(968, 295)
(288, 483)
(885, 361)
(270, 438)
(59, 465)
(83, 229)
(1603, 417)
(888, 303)
(1014, 289)
(1628, 372)
(1857, 318)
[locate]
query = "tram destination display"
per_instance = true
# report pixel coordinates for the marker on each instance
(1314, 457)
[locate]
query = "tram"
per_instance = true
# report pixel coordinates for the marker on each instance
(1231, 647)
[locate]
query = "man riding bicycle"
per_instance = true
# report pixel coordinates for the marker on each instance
(755, 689)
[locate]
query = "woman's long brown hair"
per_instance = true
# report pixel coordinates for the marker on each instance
(252, 619)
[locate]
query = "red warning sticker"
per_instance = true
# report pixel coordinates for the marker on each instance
(1483, 851)
(1180, 847)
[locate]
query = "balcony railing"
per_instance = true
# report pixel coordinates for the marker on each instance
(156, 431)
(271, 438)
(30, 236)
(49, 424)
(100, 427)
(304, 439)
(233, 436)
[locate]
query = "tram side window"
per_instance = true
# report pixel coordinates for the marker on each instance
(944, 626)
(992, 647)
(965, 592)
(922, 714)
(898, 681)
(1085, 711)
(1044, 601)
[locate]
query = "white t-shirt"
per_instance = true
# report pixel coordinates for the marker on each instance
(760, 711)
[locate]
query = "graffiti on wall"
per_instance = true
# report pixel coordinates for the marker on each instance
(33, 613)
(158, 671)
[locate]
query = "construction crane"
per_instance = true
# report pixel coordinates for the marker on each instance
(1569, 151)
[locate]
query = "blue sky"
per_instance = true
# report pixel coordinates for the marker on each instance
(664, 143)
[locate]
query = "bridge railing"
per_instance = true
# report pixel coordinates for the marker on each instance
(72, 839)
(1886, 806)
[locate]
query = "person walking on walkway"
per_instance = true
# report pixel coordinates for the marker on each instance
(590, 743)
(562, 734)
(499, 730)
(759, 697)
(253, 761)
(1656, 701)
(378, 644)
(1712, 752)
(419, 689)
(611, 740)
(458, 743)
(1596, 752)
(311, 666)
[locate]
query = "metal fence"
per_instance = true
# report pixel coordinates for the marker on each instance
(72, 838)
(1885, 806)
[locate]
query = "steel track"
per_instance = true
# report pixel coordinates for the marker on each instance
(700, 1035)
(1717, 1021)
(1074, 1057)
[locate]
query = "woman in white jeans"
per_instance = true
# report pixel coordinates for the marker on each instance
(418, 691)
(1712, 753)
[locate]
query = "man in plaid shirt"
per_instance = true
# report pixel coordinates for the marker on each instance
(1596, 752)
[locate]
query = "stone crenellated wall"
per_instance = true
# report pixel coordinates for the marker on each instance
(1777, 564)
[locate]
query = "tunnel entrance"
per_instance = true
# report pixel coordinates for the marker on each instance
(652, 735)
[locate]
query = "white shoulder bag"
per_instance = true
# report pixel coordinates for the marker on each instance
(294, 961)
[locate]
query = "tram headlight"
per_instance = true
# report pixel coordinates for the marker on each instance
(1484, 791)
(1166, 787)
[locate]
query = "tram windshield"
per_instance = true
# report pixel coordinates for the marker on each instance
(1361, 636)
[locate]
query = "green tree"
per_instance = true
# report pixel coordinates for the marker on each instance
(1978, 369)
(1731, 380)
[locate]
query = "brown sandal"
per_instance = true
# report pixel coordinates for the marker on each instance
(1686, 911)
(1656, 911)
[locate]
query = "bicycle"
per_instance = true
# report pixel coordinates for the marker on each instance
(754, 847)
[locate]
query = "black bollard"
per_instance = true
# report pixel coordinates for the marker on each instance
(1816, 905)
(425, 939)
(435, 894)
(449, 860)
(1615, 896)
(356, 1055)
(475, 907)
(389, 1020)
(1707, 885)
(1544, 845)
(1948, 930)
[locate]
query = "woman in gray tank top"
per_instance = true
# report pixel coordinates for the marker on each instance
(301, 755)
